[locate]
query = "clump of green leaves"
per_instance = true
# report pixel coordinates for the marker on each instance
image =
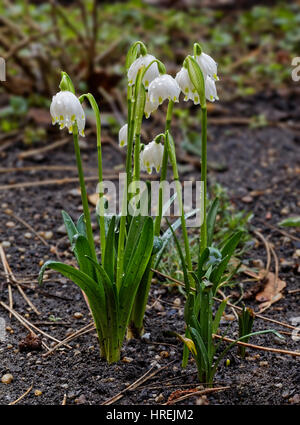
(246, 320)
(201, 315)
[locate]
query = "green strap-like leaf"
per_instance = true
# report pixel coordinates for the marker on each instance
(200, 346)
(134, 233)
(92, 289)
(211, 219)
(111, 304)
(109, 258)
(81, 226)
(134, 273)
(81, 249)
(70, 226)
(218, 316)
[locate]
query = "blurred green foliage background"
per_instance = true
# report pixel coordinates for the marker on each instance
(253, 44)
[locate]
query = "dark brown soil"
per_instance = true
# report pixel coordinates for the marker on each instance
(260, 159)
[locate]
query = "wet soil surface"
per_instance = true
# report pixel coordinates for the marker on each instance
(262, 176)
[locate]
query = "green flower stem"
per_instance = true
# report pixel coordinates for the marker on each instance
(84, 197)
(95, 108)
(124, 209)
(136, 328)
(164, 169)
(172, 156)
(203, 232)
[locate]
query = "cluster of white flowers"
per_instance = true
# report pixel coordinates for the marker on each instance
(160, 86)
(209, 70)
(65, 110)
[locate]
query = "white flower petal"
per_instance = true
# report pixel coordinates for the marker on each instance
(210, 89)
(150, 107)
(123, 135)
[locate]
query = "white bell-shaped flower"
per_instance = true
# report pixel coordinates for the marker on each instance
(208, 66)
(210, 89)
(123, 135)
(184, 82)
(162, 88)
(66, 109)
(152, 156)
(149, 106)
(150, 74)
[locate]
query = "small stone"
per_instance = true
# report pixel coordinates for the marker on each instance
(279, 341)
(263, 364)
(37, 393)
(7, 378)
(286, 394)
(146, 336)
(295, 399)
(10, 224)
(127, 359)
(81, 399)
(158, 306)
(77, 352)
(159, 398)
(69, 332)
(258, 263)
(4, 206)
(285, 211)
(48, 235)
(9, 346)
(164, 354)
(177, 302)
(6, 244)
(268, 216)
(75, 192)
(247, 199)
(27, 235)
(78, 315)
(279, 385)
(62, 230)
(229, 317)
(41, 263)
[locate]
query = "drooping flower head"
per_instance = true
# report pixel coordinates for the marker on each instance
(150, 74)
(187, 87)
(66, 109)
(162, 88)
(123, 135)
(152, 156)
(208, 66)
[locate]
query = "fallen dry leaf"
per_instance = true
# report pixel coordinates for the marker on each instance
(271, 292)
(179, 393)
(93, 199)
